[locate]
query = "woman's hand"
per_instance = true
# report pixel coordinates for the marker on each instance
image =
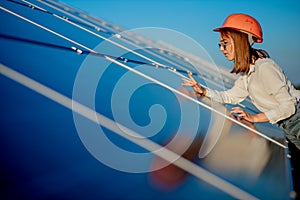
(253, 118)
(240, 114)
(194, 84)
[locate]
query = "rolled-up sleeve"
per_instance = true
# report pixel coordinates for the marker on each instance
(232, 96)
(275, 85)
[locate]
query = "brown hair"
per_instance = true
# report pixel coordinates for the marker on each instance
(244, 55)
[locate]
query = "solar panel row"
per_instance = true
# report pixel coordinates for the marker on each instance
(129, 84)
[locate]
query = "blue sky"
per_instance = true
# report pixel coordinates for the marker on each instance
(197, 18)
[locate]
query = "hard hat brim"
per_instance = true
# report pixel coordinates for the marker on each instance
(258, 40)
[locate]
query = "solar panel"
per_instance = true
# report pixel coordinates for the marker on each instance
(91, 110)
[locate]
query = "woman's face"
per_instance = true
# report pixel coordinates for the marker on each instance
(227, 46)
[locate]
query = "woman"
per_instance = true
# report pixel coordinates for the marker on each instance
(261, 79)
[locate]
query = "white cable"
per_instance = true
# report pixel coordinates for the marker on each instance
(46, 29)
(112, 42)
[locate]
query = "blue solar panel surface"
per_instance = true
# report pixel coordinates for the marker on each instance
(52, 151)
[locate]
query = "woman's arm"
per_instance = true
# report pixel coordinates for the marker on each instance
(232, 96)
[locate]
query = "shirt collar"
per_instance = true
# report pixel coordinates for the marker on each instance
(251, 70)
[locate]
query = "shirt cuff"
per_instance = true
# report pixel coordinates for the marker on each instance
(272, 116)
(208, 93)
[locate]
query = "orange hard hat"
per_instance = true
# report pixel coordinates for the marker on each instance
(243, 23)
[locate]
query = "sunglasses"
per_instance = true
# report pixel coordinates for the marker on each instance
(223, 45)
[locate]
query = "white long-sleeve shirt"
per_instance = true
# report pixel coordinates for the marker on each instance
(268, 88)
